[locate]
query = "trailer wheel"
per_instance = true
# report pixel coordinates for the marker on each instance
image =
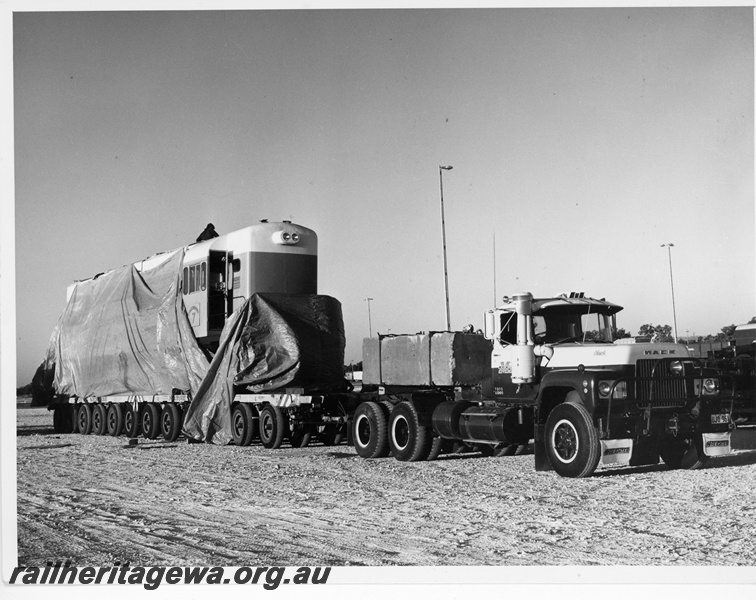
(131, 424)
(330, 435)
(74, 412)
(370, 431)
(572, 443)
(151, 421)
(272, 426)
(84, 419)
(682, 453)
(408, 439)
(170, 422)
(114, 419)
(244, 424)
(99, 426)
(63, 421)
(300, 438)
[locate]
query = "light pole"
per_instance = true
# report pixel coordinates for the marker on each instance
(672, 284)
(441, 169)
(370, 323)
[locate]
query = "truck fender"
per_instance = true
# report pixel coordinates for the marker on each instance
(564, 386)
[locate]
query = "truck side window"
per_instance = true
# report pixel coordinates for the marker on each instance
(508, 330)
(539, 329)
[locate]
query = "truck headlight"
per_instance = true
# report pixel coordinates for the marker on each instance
(620, 390)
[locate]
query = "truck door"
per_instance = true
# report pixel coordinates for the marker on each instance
(503, 357)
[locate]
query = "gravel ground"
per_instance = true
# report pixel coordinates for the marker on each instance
(96, 500)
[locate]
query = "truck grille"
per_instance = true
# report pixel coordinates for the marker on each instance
(659, 389)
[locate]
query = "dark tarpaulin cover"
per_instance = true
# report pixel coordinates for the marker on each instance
(125, 332)
(272, 342)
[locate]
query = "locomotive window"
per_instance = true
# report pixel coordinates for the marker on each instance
(236, 265)
(185, 281)
(203, 276)
(192, 279)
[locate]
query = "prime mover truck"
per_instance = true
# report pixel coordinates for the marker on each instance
(227, 341)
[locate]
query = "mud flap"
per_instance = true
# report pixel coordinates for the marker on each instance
(542, 462)
(616, 452)
(716, 444)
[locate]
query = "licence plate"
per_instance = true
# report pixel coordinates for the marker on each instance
(718, 419)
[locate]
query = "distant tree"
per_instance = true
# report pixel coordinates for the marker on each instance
(24, 390)
(621, 333)
(728, 332)
(663, 332)
(753, 320)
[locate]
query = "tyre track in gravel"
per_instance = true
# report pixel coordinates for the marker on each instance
(96, 500)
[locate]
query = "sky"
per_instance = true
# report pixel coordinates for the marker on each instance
(581, 140)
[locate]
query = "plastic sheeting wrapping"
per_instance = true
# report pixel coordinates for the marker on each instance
(272, 342)
(125, 332)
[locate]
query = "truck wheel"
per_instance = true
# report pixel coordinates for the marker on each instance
(170, 422)
(682, 453)
(99, 426)
(506, 450)
(62, 420)
(408, 439)
(272, 426)
(114, 419)
(131, 424)
(572, 443)
(436, 447)
(84, 419)
(151, 421)
(370, 430)
(244, 424)
(300, 438)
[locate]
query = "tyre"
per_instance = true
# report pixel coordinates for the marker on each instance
(272, 426)
(63, 421)
(132, 426)
(408, 440)
(84, 419)
(506, 450)
(74, 412)
(151, 421)
(99, 426)
(486, 449)
(300, 438)
(682, 453)
(114, 419)
(370, 430)
(436, 448)
(330, 435)
(244, 424)
(572, 443)
(170, 422)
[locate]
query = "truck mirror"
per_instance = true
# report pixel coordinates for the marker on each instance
(491, 331)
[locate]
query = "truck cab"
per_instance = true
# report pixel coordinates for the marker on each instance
(597, 399)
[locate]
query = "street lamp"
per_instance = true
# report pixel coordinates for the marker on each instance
(672, 284)
(441, 169)
(370, 323)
